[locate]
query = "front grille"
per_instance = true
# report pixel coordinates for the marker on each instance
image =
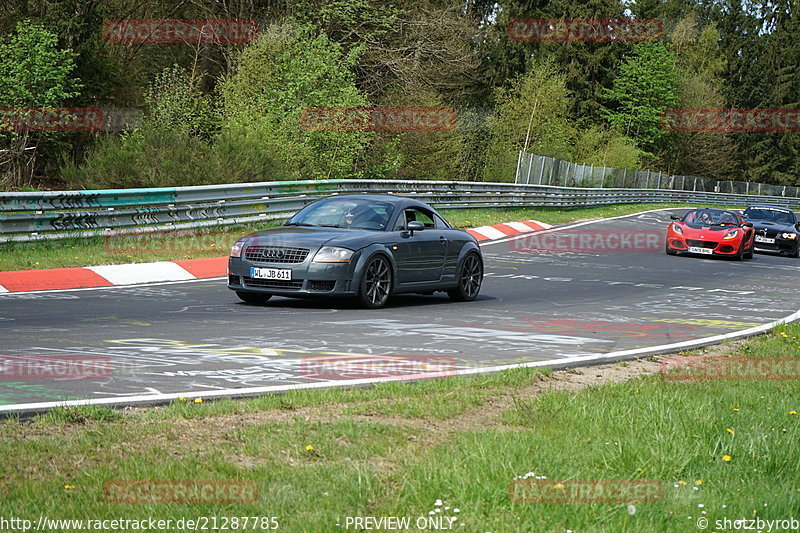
(701, 244)
(275, 254)
(323, 286)
(289, 285)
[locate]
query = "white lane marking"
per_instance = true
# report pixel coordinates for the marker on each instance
(490, 232)
(142, 273)
(3, 289)
(554, 363)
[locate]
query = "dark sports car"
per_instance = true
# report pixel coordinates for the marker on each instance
(711, 232)
(366, 246)
(777, 229)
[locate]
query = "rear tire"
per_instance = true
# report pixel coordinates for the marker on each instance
(470, 278)
(253, 297)
(376, 283)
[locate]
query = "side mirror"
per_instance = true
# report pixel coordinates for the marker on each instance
(674, 217)
(415, 225)
(748, 224)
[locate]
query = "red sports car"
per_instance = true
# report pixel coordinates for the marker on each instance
(711, 232)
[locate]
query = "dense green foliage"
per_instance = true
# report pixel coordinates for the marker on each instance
(232, 112)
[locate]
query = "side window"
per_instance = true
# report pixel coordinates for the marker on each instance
(440, 223)
(410, 215)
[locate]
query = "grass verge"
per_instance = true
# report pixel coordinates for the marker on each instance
(445, 448)
(190, 244)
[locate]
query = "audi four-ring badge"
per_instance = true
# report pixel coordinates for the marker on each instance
(363, 246)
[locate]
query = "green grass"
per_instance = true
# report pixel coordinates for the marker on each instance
(317, 456)
(190, 244)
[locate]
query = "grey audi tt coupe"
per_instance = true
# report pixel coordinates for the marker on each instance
(364, 246)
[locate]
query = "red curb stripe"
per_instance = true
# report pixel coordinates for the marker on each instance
(206, 267)
(478, 236)
(508, 230)
(51, 278)
(533, 225)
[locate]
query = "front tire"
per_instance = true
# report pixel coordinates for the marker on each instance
(253, 297)
(670, 251)
(470, 277)
(376, 283)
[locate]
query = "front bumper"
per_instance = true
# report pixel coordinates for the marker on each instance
(788, 246)
(308, 278)
(724, 248)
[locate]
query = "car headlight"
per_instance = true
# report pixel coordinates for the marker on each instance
(677, 229)
(731, 234)
(236, 249)
(789, 235)
(333, 254)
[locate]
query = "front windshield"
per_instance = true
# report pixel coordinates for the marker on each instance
(710, 217)
(766, 214)
(355, 213)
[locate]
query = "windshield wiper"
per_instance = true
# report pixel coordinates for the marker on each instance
(299, 224)
(332, 226)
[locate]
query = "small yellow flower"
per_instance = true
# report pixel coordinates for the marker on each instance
(36, 263)
(727, 458)
(698, 482)
(640, 469)
(558, 486)
(696, 436)
(181, 399)
(198, 400)
(752, 427)
(792, 412)
(69, 487)
(729, 430)
(309, 448)
(681, 482)
(736, 409)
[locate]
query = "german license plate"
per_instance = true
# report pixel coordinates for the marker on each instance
(765, 240)
(271, 273)
(698, 250)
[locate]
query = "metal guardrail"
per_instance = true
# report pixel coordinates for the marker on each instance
(535, 169)
(31, 216)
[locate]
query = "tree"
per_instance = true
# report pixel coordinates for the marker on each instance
(289, 69)
(645, 87)
(36, 74)
(530, 116)
(700, 64)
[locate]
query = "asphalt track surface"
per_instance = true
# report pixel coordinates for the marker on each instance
(577, 299)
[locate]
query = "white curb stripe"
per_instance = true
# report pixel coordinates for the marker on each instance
(3, 289)
(490, 232)
(142, 273)
(519, 226)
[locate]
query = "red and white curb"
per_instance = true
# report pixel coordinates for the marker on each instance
(508, 229)
(182, 270)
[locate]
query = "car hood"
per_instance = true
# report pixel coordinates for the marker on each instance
(772, 226)
(707, 232)
(311, 237)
